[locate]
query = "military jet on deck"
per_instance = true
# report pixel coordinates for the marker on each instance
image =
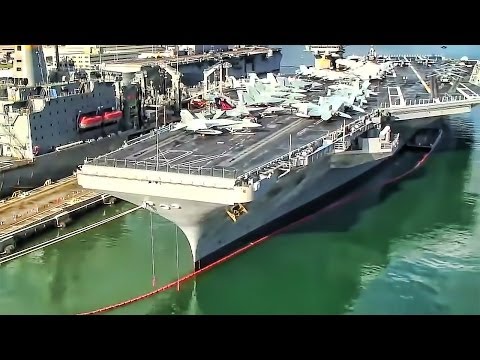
(204, 126)
(325, 109)
(360, 93)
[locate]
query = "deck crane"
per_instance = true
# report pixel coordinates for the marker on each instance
(209, 71)
(175, 76)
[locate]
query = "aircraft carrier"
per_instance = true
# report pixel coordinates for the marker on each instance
(220, 189)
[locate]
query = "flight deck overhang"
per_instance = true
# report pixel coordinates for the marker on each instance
(149, 182)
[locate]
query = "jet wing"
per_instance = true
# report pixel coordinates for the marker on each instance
(272, 100)
(321, 112)
(336, 102)
(178, 126)
(197, 125)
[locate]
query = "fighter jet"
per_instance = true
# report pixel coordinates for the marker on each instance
(225, 105)
(371, 71)
(298, 83)
(275, 92)
(276, 84)
(254, 98)
(214, 126)
(360, 93)
(325, 109)
(324, 74)
(349, 102)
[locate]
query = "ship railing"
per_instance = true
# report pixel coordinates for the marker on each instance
(319, 145)
(60, 94)
(410, 56)
(21, 111)
(421, 102)
(390, 145)
(141, 138)
(221, 172)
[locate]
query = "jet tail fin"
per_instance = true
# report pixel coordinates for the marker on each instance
(235, 83)
(244, 99)
(253, 92)
(303, 69)
(186, 116)
(272, 79)
(200, 116)
(365, 85)
(259, 87)
(252, 78)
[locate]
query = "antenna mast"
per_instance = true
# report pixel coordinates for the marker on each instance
(156, 130)
(164, 115)
(290, 152)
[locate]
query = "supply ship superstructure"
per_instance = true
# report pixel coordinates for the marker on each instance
(192, 61)
(47, 129)
(240, 186)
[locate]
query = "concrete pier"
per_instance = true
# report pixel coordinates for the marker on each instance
(53, 205)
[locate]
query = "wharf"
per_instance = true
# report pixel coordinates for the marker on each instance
(52, 205)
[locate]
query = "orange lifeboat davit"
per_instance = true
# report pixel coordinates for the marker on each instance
(87, 122)
(112, 116)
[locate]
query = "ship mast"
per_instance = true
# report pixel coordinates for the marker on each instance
(57, 57)
(290, 152)
(156, 130)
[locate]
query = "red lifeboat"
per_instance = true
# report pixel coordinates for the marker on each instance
(112, 116)
(197, 103)
(87, 122)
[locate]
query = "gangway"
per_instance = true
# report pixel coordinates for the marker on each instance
(424, 108)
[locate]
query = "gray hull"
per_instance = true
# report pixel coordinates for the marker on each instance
(56, 165)
(282, 201)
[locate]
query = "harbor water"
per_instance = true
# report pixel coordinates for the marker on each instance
(410, 247)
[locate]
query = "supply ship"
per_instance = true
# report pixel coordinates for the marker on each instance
(233, 187)
(47, 128)
(193, 60)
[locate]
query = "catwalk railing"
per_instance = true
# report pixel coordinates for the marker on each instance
(456, 99)
(163, 166)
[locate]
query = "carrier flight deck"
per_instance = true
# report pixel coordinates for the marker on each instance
(240, 152)
(414, 83)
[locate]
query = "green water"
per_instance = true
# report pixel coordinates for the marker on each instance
(408, 248)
